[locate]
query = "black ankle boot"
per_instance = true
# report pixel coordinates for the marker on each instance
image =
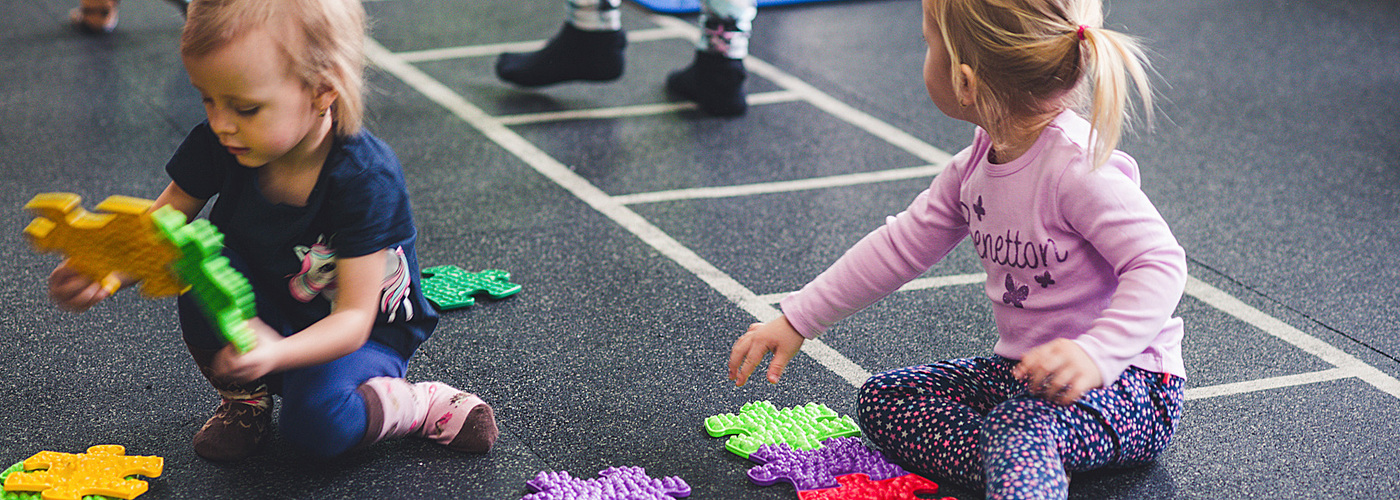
(714, 82)
(573, 54)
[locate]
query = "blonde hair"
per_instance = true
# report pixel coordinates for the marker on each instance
(322, 39)
(1033, 57)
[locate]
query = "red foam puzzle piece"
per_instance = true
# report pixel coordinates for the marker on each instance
(860, 487)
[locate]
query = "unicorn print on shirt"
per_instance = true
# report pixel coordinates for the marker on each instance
(317, 277)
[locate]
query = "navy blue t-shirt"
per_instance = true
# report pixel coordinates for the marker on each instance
(359, 206)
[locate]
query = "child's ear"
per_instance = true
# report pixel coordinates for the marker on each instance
(324, 97)
(966, 87)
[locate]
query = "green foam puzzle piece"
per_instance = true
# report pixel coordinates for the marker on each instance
(760, 423)
(451, 287)
(223, 293)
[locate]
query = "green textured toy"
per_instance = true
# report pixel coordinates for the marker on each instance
(222, 292)
(125, 238)
(451, 287)
(760, 423)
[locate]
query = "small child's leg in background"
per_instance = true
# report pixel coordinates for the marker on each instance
(715, 80)
(589, 48)
(322, 412)
(1028, 444)
(929, 417)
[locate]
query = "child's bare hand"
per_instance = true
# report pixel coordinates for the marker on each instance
(73, 291)
(263, 359)
(1059, 371)
(777, 336)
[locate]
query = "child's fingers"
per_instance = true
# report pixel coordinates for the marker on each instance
(1063, 386)
(72, 291)
(741, 359)
(736, 356)
(779, 363)
(1052, 387)
(745, 358)
(79, 297)
(233, 366)
(751, 362)
(89, 297)
(1065, 393)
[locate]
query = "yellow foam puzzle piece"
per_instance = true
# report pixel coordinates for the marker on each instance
(119, 237)
(103, 470)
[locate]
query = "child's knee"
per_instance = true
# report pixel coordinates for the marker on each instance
(884, 386)
(871, 390)
(873, 395)
(323, 430)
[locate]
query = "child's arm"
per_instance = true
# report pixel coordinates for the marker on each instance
(777, 336)
(75, 292)
(344, 331)
(905, 247)
(180, 200)
(1109, 210)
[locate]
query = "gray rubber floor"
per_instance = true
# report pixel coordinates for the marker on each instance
(1276, 159)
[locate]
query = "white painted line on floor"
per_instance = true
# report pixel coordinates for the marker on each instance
(1273, 326)
(495, 49)
(600, 201)
(825, 102)
(834, 361)
(636, 110)
(782, 186)
(1269, 383)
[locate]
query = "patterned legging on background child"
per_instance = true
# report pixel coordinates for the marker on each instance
(968, 420)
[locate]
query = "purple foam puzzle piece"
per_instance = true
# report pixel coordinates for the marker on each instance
(817, 469)
(614, 483)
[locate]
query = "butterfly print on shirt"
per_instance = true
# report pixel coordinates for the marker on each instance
(1015, 294)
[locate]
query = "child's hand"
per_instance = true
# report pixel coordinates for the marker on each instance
(265, 358)
(777, 336)
(1059, 371)
(73, 291)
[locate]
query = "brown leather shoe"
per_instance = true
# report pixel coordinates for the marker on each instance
(239, 426)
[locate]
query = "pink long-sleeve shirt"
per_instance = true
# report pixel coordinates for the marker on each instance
(1070, 251)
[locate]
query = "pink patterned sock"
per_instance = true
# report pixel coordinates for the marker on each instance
(432, 410)
(456, 419)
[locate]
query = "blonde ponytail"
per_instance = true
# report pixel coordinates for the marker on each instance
(1113, 59)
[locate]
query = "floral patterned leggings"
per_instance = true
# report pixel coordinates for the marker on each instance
(970, 422)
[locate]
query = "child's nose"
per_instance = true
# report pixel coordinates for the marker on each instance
(221, 121)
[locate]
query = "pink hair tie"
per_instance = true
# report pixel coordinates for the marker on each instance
(1080, 32)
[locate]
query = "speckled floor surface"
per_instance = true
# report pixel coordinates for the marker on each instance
(1276, 159)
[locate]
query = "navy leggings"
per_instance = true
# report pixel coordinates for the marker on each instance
(970, 422)
(322, 414)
